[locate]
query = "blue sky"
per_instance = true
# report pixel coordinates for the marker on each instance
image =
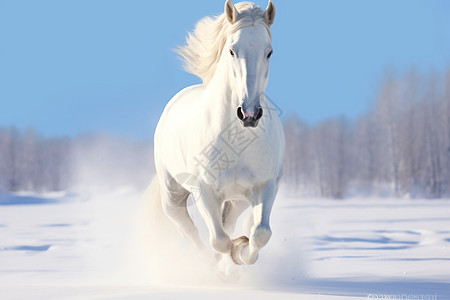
(68, 67)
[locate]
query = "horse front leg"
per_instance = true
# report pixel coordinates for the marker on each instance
(245, 250)
(210, 207)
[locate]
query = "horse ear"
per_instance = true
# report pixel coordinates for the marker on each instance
(231, 12)
(269, 15)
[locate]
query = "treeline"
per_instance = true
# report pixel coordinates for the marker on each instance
(400, 148)
(30, 162)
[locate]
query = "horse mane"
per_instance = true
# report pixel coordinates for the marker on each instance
(205, 44)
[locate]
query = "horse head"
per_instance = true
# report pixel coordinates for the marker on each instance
(247, 51)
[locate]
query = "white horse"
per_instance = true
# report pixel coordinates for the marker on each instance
(222, 141)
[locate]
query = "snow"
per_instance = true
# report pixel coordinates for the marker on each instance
(83, 246)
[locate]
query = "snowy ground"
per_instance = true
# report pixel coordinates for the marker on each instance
(78, 246)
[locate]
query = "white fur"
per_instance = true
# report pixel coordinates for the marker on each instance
(199, 125)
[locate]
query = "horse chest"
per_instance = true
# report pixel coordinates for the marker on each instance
(240, 159)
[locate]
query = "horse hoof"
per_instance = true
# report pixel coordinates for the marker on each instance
(237, 246)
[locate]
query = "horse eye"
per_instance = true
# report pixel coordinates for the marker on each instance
(269, 54)
(231, 52)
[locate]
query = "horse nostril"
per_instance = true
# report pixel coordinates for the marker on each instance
(259, 114)
(240, 113)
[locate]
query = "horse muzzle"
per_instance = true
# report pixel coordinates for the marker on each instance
(249, 119)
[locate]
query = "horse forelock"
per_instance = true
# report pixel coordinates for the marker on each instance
(205, 44)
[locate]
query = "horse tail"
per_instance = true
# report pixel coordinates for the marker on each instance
(153, 206)
(153, 196)
(158, 221)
